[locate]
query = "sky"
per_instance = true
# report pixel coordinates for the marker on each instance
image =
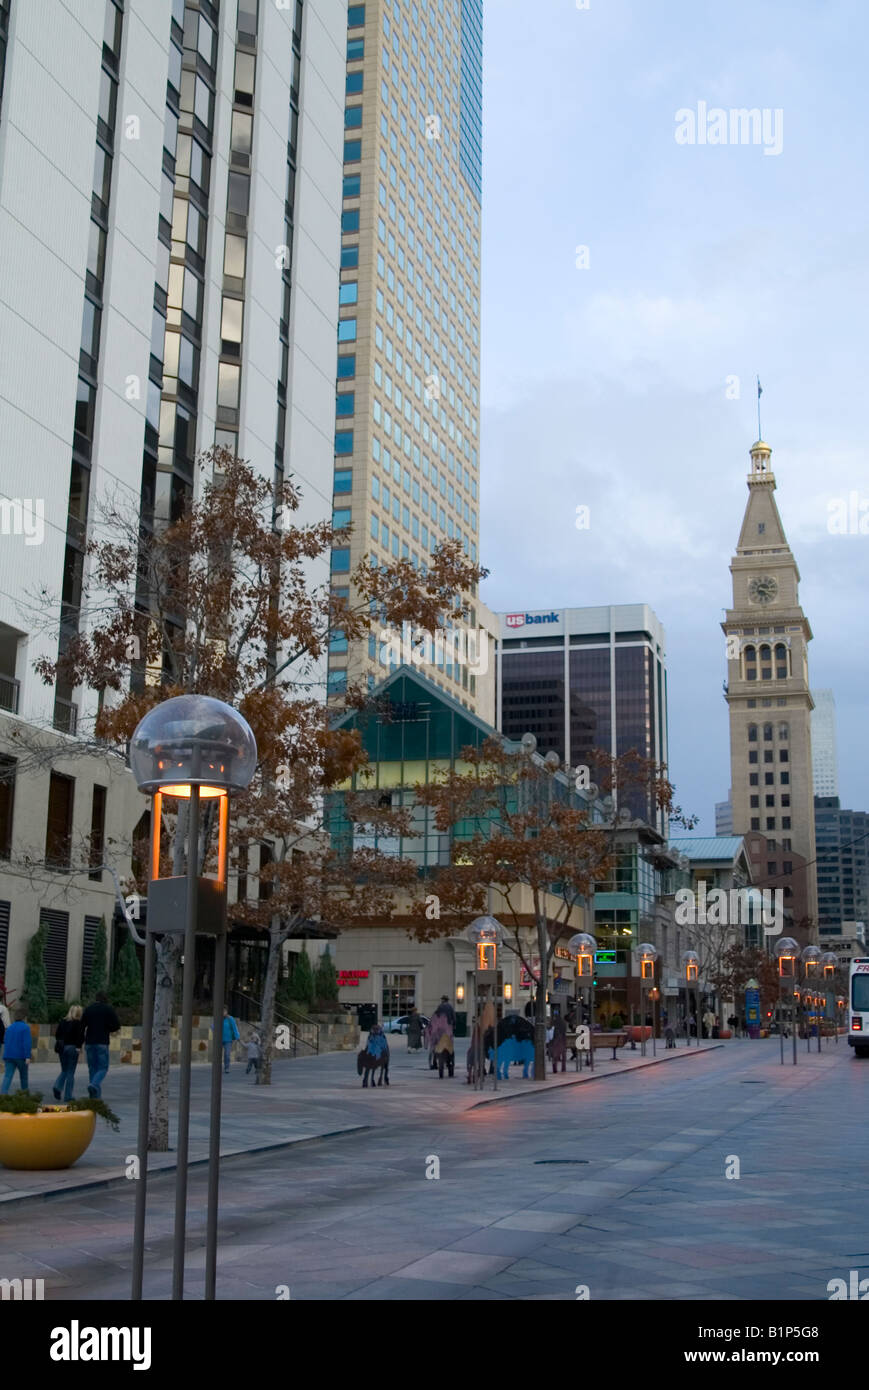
(622, 377)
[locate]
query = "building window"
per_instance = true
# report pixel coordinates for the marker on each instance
(350, 221)
(755, 802)
(752, 757)
(98, 833)
(353, 84)
(352, 151)
(752, 779)
(352, 117)
(345, 403)
(349, 292)
(344, 442)
(755, 823)
(355, 16)
(343, 480)
(7, 804)
(349, 257)
(347, 331)
(770, 822)
(347, 365)
(58, 828)
(786, 825)
(355, 50)
(783, 731)
(341, 561)
(337, 682)
(752, 733)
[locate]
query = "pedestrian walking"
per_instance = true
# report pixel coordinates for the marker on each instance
(17, 1050)
(558, 1043)
(254, 1055)
(68, 1043)
(414, 1031)
(670, 1035)
(446, 1010)
(230, 1035)
(100, 1020)
(708, 1023)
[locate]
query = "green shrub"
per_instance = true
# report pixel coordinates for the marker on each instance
(300, 989)
(97, 974)
(326, 982)
(35, 991)
(99, 1107)
(125, 988)
(59, 1008)
(21, 1103)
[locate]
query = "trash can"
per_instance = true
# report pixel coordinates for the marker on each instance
(462, 1024)
(367, 1015)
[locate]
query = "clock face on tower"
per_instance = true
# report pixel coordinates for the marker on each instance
(762, 589)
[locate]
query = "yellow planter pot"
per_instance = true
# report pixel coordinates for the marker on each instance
(45, 1141)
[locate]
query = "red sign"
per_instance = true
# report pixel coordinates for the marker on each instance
(351, 977)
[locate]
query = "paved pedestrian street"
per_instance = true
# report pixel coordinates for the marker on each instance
(619, 1187)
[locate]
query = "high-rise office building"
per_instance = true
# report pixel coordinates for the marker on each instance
(585, 678)
(767, 687)
(724, 817)
(842, 839)
(825, 763)
(407, 433)
(170, 202)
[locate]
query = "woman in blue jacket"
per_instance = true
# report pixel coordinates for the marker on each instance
(17, 1051)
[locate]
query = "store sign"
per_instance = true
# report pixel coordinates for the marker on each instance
(520, 619)
(351, 977)
(605, 958)
(563, 953)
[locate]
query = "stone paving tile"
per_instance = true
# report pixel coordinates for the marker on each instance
(531, 1220)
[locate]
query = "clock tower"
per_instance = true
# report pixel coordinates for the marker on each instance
(770, 703)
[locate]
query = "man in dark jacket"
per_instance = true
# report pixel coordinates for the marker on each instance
(99, 1020)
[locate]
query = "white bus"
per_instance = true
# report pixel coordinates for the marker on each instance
(858, 1006)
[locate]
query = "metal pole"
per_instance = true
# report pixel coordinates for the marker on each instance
(218, 993)
(654, 1026)
(144, 1104)
(495, 1011)
(186, 1047)
(781, 1021)
(794, 1025)
(591, 1026)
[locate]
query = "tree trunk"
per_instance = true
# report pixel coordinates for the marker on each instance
(270, 989)
(540, 1002)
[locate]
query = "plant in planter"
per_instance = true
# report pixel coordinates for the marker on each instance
(35, 991)
(36, 1136)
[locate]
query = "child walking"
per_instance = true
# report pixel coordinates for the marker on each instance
(254, 1055)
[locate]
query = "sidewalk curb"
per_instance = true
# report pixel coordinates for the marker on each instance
(93, 1184)
(595, 1076)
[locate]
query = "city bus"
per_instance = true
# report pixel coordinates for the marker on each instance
(858, 1006)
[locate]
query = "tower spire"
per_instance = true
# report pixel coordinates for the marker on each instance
(759, 394)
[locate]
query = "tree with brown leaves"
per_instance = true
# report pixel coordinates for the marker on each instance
(220, 602)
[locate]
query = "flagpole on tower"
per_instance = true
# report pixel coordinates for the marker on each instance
(759, 394)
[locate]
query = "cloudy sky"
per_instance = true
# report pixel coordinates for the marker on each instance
(611, 385)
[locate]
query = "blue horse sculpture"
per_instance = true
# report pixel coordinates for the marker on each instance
(515, 1045)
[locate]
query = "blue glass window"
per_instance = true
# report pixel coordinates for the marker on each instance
(343, 479)
(341, 517)
(337, 682)
(348, 293)
(375, 527)
(353, 83)
(347, 331)
(338, 644)
(341, 561)
(349, 257)
(347, 366)
(355, 50)
(344, 442)
(355, 16)
(352, 151)
(352, 185)
(350, 221)
(345, 403)
(352, 117)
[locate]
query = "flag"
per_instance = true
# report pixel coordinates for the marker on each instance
(759, 389)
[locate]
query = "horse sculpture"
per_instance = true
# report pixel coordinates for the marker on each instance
(374, 1056)
(515, 1045)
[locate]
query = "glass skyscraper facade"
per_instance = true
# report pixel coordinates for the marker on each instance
(581, 679)
(843, 866)
(408, 369)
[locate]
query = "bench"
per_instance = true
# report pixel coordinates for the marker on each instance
(614, 1040)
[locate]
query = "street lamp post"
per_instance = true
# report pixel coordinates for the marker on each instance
(647, 955)
(584, 945)
(787, 951)
(485, 934)
(829, 965)
(193, 748)
(691, 967)
(811, 958)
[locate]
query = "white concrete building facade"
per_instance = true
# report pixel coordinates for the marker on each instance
(170, 205)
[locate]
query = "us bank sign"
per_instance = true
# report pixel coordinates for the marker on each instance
(514, 620)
